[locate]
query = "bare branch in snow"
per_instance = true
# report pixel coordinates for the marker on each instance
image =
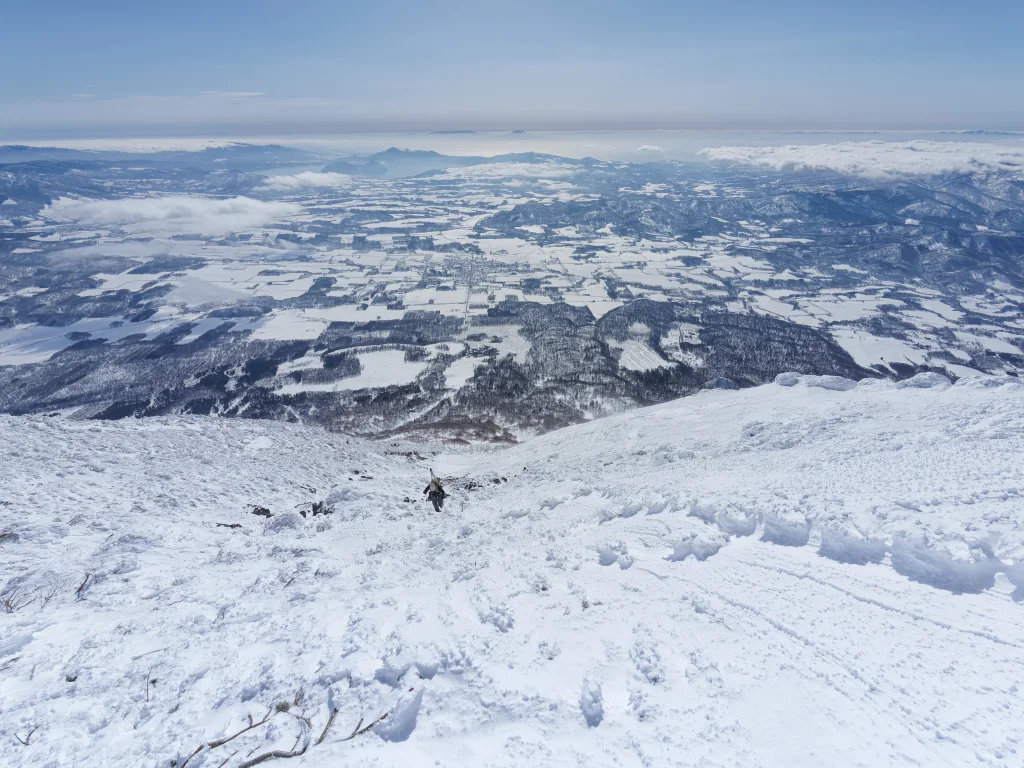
(330, 722)
(221, 742)
(360, 731)
(148, 653)
(14, 600)
(80, 592)
(279, 753)
(28, 736)
(198, 750)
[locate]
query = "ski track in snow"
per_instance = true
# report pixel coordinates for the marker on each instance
(806, 574)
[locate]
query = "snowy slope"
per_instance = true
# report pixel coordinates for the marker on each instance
(807, 573)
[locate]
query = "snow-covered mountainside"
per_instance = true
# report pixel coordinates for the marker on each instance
(806, 573)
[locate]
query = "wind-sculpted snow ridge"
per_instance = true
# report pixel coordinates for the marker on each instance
(812, 572)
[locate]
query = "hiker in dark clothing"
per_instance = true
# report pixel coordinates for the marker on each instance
(435, 492)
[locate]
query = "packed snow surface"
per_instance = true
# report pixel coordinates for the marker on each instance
(813, 572)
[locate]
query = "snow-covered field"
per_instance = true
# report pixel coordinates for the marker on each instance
(809, 573)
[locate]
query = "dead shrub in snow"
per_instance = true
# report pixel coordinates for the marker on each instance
(305, 736)
(22, 591)
(316, 508)
(15, 598)
(52, 586)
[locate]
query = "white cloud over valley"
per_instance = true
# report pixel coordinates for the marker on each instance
(173, 213)
(138, 145)
(543, 170)
(306, 180)
(879, 159)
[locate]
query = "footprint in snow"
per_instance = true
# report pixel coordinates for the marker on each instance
(591, 703)
(499, 616)
(646, 658)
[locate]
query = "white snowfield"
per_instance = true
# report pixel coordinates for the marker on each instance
(809, 573)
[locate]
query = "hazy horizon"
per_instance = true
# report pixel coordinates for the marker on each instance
(884, 148)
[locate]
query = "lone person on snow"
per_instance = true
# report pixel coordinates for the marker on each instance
(435, 492)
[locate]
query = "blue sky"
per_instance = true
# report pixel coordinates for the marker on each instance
(109, 66)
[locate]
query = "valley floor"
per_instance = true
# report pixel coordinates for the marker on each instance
(806, 573)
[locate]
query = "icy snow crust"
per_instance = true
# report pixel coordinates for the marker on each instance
(807, 573)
